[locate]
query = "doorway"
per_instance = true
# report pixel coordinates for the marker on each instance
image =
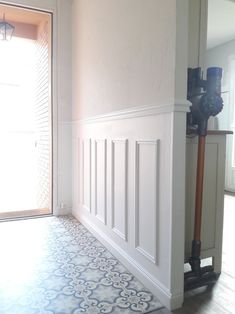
(26, 114)
(221, 52)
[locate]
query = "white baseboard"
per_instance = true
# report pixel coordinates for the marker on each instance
(157, 288)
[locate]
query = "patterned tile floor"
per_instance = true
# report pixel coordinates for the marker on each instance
(55, 266)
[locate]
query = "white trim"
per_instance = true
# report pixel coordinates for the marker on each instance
(157, 288)
(156, 144)
(86, 206)
(202, 33)
(136, 112)
(146, 254)
(115, 230)
(104, 141)
(55, 121)
(120, 234)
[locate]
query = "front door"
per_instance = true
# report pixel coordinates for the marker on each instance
(25, 114)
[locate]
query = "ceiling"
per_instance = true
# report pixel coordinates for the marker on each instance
(21, 15)
(221, 22)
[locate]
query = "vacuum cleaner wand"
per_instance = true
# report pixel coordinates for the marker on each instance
(206, 101)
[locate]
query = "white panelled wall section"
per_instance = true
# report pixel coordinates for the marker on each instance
(123, 190)
(129, 110)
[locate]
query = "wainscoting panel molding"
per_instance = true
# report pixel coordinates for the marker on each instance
(86, 174)
(132, 192)
(146, 198)
(100, 179)
(119, 168)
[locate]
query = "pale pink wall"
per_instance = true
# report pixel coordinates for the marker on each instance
(123, 54)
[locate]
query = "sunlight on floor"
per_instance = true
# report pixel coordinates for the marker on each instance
(23, 259)
(54, 265)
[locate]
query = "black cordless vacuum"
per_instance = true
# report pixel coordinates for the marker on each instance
(205, 96)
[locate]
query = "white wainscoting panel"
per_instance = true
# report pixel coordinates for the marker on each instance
(119, 187)
(76, 161)
(86, 174)
(100, 179)
(135, 205)
(146, 198)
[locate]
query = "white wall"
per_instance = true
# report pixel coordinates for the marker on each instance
(224, 56)
(123, 59)
(61, 98)
(221, 56)
(129, 89)
(197, 33)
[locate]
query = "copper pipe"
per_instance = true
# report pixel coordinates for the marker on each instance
(199, 187)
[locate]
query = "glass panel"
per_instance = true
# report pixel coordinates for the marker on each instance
(25, 114)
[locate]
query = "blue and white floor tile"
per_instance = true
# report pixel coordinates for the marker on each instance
(55, 266)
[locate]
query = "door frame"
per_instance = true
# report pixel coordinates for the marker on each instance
(48, 6)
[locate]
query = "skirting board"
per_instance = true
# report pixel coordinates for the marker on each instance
(162, 293)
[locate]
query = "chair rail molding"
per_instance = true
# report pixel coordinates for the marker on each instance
(135, 112)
